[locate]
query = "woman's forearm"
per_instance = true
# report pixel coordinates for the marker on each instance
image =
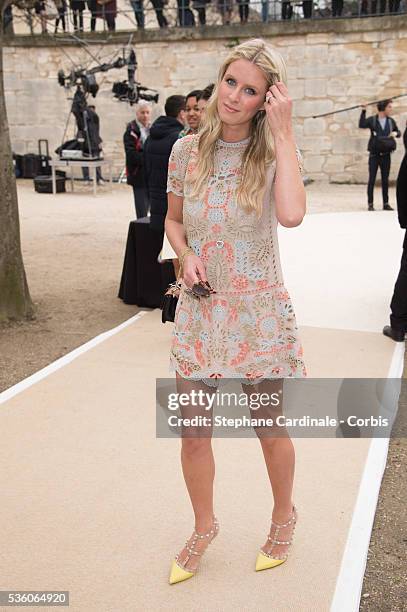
(176, 235)
(289, 190)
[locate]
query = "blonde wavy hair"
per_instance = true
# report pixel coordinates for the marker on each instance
(259, 153)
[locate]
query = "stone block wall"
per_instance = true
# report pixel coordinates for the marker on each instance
(332, 64)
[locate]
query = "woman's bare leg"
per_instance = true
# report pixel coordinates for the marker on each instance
(198, 467)
(279, 455)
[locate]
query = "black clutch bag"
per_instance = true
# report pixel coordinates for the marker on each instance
(169, 302)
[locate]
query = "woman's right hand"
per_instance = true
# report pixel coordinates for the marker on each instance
(194, 270)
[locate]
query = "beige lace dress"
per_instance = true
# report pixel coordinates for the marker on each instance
(247, 330)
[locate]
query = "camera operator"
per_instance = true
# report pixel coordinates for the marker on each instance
(383, 131)
(92, 144)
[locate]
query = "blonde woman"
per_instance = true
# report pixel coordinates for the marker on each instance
(228, 187)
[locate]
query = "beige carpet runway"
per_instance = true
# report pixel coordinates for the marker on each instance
(94, 503)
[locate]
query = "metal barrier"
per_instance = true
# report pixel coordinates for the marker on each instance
(155, 14)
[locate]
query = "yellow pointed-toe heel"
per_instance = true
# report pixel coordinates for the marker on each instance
(178, 572)
(267, 561)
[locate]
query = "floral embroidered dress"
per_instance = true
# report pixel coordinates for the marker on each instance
(247, 329)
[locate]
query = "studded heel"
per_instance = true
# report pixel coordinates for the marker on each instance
(179, 571)
(267, 560)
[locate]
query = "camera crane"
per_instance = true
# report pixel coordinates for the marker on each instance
(84, 79)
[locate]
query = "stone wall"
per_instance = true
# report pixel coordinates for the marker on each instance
(332, 64)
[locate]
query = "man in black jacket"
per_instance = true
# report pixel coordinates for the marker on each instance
(133, 139)
(398, 317)
(380, 125)
(157, 149)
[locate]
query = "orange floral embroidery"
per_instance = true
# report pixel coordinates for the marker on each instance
(240, 282)
(244, 349)
(198, 352)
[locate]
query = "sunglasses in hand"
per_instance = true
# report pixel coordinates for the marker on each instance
(201, 289)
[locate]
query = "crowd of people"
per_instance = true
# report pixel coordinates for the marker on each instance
(107, 11)
(148, 147)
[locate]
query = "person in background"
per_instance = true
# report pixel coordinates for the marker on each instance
(8, 20)
(398, 305)
(337, 8)
(200, 7)
(92, 8)
(167, 251)
(137, 132)
(225, 8)
(137, 6)
(161, 18)
(41, 10)
(192, 114)
(61, 8)
(157, 148)
(394, 6)
(380, 125)
(77, 7)
(307, 9)
(185, 15)
(203, 98)
(143, 116)
(264, 11)
(92, 143)
(108, 12)
(243, 10)
(287, 10)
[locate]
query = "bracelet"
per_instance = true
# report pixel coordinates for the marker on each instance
(182, 257)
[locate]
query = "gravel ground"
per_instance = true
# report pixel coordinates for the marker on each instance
(73, 247)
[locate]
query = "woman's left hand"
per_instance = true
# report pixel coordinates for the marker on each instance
(278, 107)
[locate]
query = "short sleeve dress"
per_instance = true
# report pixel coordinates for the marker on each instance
(247, 329)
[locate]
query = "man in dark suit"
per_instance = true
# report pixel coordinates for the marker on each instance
(398, 317)
(381, 125)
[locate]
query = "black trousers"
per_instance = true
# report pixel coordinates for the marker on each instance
(307, 9)
(77, 15)
(376, 160)
(161, 18)
(398, 305)
(141, 202)
(243, 10)
(185, 15)
(286, 10)
(337, 8)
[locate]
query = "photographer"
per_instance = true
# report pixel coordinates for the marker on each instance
(381, 144)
